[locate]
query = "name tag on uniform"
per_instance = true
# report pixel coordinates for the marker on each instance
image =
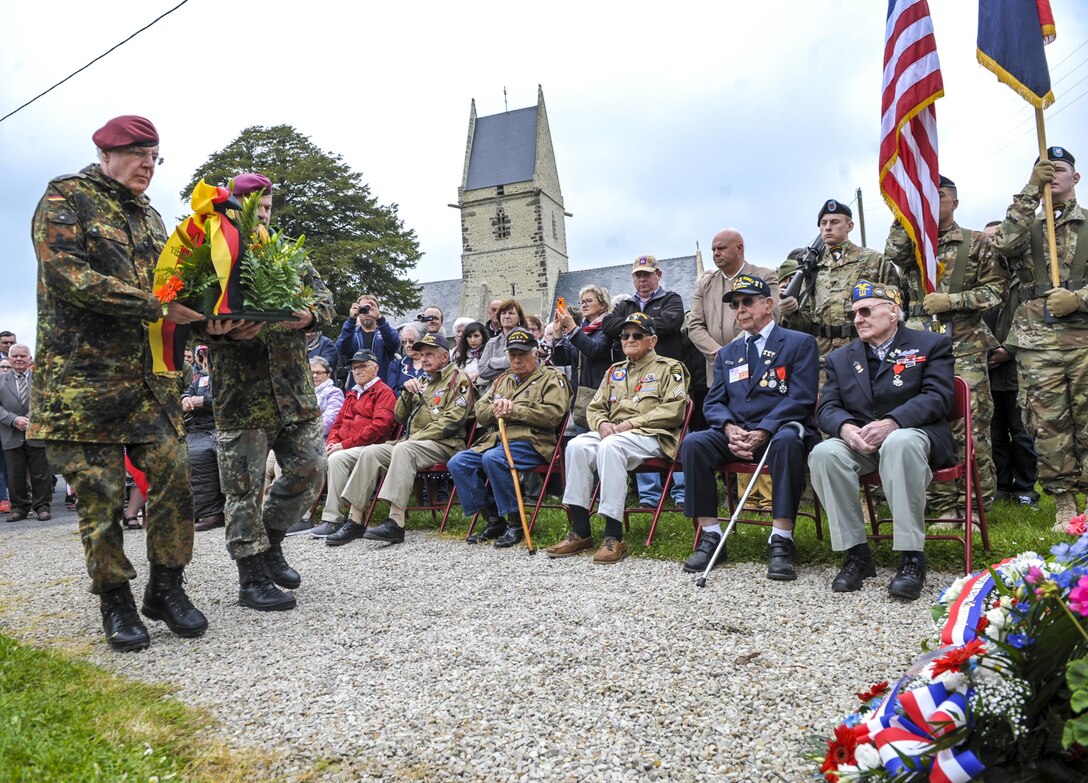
(738, 373)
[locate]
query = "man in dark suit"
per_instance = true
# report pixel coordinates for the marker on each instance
(885, 406)
(25, 459)
(764, 379)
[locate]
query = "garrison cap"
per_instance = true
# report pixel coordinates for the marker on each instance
(244, 184)
(833, 207)
(431, 340)
(128, 130)
(946, 183)
(642, 321)
(866, 289)
(1060, 153)
(747, 284)
(364, 355)
(520, 340)
(645, 264)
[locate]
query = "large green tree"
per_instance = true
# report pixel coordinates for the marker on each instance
(358, 245)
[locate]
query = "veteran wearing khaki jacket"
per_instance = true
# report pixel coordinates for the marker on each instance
(636, 415)
(532, 400)
(434, 409)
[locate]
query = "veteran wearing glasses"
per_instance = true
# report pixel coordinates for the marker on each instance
(764, 379)
(636, 414)
(884, 408)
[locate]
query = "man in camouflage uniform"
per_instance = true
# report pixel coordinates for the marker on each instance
(635, 415)
(264, 399)
(1053, 357)
(827, 311)
(434, 409)
(533, 400)
(970, 283)
(94, 396)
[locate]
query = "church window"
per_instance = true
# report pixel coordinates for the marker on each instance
(501, 224)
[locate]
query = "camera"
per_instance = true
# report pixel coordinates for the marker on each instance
(365, 309)
(426, 319)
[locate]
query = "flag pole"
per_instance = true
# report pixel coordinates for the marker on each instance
(1048, 203)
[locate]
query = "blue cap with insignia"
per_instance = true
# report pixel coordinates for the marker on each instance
(833, 207)
(866, 289)
(747, 284)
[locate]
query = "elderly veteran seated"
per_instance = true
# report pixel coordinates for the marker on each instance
(764, 379)
(635, 415)
(884, 407)
(365, 418)
(532, 399)
(434, 409)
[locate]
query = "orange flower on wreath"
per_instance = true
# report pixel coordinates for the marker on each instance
(839, 751)
(168, 291)
(954, 661)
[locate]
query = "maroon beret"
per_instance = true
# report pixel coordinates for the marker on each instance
(244, 184)
(124, 131)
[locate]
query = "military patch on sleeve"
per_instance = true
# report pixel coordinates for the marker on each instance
(679, 392)
(677, 376)
(461, 402)
(464, 388)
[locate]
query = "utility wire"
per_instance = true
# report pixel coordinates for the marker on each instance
(92, 62)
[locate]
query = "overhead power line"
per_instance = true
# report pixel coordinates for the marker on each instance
(92, 62)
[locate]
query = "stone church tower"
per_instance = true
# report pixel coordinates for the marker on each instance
(513, 234)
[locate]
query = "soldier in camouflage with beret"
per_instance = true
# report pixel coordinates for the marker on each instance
(97, 239)
(1052, 356)
(969, 283)
(265, 399)
(827, 310)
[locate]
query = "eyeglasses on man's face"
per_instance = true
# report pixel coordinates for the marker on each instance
(738, 301)
(627, 336)
(144, 153)
(865, 312)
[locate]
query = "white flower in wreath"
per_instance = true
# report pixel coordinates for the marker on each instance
(951, 680)
(953, 591)
(997, 618)
(867, 757)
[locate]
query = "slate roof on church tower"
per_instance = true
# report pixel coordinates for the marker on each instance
(503, 149)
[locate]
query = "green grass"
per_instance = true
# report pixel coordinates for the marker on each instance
(1012, 529)
(67, 721)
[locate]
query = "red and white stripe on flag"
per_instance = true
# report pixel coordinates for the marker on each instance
(908, 128)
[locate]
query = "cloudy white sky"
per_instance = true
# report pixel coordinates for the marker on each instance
(670, 121)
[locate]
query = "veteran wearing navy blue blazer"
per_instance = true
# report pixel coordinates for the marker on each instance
(764, 379)
(885, 406)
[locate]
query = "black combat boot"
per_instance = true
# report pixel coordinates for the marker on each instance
(122, 625)
(276, 564)
(257, 590)
(165, 600)
(911, 576)
(496, 526)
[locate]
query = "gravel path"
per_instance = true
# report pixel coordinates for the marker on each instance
(433, 660)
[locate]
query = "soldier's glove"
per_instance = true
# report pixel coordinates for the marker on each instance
(1042, 174)
(788, 305)
(1061, 302)
(937, 303)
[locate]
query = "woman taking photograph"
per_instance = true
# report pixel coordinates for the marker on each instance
(585, 347)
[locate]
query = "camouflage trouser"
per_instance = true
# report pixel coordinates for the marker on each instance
(300, 452)
(1054, 398)
(96, 472)
(944, 496)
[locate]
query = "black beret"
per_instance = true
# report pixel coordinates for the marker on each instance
(833, 207)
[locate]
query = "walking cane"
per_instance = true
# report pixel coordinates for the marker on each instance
(517, 486)
(701, 581)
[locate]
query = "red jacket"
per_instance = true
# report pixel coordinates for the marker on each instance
(365, 418)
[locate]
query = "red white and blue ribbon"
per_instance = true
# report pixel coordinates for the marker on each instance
(968, 608)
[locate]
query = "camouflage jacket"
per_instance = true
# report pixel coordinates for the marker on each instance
(984, 286)
(441, 412)
(827, 313)
(540, 403)
(266, 382)
(97, 245)
(1013, 242)
(651, 393)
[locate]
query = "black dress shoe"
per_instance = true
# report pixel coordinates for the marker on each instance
(496, 526)
(387, 531)
(17, 516)
(780, 552)
(512, 537)
(911, 576)
(697, 563)
(346, 533)
(854, 571)
(122, 625)
(165, 600)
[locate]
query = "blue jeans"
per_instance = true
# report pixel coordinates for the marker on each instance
(649, 488)
(469, 469)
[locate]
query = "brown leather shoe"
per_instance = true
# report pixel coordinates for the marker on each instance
(611, 551)
(207, 523)
(571, 545)
(44, 516)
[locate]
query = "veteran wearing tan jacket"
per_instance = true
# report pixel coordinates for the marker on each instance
(636, 415)
(434, 409)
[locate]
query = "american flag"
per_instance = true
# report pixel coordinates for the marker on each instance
(908, 128)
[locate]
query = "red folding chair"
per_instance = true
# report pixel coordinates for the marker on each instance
(665, 468)
(732, 469)
(554, 467)
(967, 470)
(428, 475)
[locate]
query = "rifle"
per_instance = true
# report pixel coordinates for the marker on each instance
(805, 277)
